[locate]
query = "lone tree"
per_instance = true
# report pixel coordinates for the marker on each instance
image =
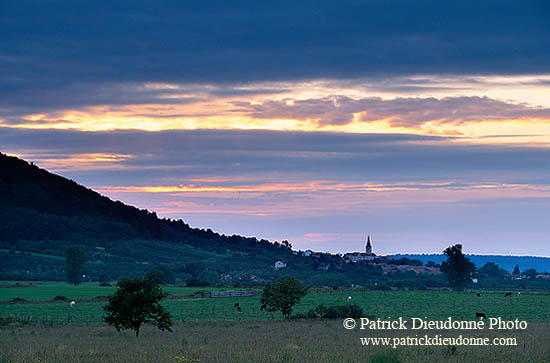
(458, 269)
(281, 295)
(75, 259)
(134, 303)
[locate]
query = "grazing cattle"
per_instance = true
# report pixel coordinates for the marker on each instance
(480, 315)
(263, 307)
(519, 293)
(71, 304)
(238, 307)
(478, 294)
(508, 294)
(349, 298)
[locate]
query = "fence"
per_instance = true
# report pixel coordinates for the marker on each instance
(237, 293)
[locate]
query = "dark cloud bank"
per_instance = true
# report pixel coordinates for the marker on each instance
(174, 156)
(49, 47)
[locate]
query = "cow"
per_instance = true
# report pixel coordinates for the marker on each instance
(508, 294)
(349, 298)
(481, 315)
(238, 307)
(478, 294)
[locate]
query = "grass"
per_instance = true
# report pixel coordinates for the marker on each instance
(46, 291)
(211, 330)
(34, 254)
(382, 304)
(248, 341)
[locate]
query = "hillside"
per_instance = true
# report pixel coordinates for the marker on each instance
(42, 213)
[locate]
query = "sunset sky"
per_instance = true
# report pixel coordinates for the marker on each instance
(421, 123)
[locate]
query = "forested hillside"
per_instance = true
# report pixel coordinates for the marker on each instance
(42, 213)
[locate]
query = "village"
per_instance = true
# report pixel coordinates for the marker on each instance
(339, 261)
(387, 264)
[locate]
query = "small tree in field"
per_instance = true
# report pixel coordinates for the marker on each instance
(134, 303)
(282, 295)
(458, 269)
(75, 259)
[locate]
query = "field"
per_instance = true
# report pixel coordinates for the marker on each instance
(211, 330)
(533, 307)
(247, 341)
(46, 291)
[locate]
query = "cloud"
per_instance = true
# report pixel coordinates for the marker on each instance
(173, 157)
(52, 49)
(406, 112)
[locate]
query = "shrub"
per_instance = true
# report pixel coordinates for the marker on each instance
(344, 311)
(193, 282)
(332, 312)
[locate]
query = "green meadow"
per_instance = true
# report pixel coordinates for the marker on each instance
(212, 330)
(184, 306)
(46, 291)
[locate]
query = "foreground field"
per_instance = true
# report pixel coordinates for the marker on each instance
(533, 307)
(249, 341)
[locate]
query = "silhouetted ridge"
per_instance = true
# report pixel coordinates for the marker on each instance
(39, 205)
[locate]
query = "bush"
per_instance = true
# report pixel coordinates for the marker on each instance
(332, 312)
(344, 311)
(382, 287)
(193, 282)
(60, 298)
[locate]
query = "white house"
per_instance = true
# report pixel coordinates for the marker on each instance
(279, 265)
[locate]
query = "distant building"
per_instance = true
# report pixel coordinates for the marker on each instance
(368, 247)
(308, 253)
(355, 257)
(323, 267)
(256, 278)
(279, 265)
(225, 277)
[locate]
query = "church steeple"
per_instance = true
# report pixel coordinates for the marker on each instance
(368, 248)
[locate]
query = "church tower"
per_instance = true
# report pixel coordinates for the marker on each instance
(368, 248)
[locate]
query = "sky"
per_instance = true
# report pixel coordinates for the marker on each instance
(420, 123)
